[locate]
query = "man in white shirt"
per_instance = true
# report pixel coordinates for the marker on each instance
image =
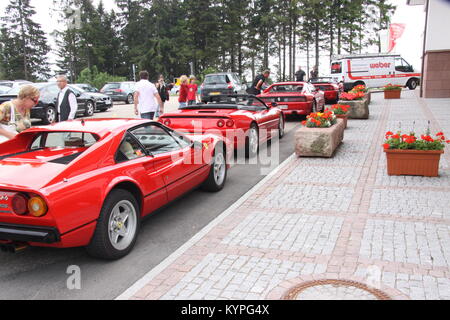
(67, 101)
(146, 98)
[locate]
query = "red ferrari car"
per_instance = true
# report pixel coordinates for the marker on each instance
(294, 97)
(246, 120)
(89, 182)
(330, 88)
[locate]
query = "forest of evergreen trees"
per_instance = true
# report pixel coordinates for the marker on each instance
(164, 36)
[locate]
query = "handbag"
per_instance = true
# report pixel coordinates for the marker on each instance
(11, 126)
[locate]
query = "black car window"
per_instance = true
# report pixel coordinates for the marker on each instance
(129, 149)
(155, 139)
(216, 79)
(287, 88)
(110, 86)
(336, 67)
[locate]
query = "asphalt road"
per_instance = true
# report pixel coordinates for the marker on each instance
(42, 273)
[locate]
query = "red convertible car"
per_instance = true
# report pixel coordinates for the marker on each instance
(330, 88)
(89, 182)
(299, 98)
(244, 119)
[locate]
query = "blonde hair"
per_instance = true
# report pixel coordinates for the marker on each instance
(183, 79)
(28, 91)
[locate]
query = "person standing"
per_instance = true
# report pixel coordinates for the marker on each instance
(163, 91)
(15, 114)
(314, 73)
(67, 101)
(146, 98)
(183, 95)
(255, 89)
(300, 74)
(192, 96)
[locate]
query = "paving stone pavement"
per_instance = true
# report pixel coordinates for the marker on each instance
(319, 219)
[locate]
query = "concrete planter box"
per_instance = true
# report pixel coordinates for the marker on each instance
(359, 109)
(319, 142)
(368, 97)
(343, 117)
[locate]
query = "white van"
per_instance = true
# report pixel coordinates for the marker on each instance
(373, 71)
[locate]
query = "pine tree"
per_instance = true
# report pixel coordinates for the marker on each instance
(24, 55)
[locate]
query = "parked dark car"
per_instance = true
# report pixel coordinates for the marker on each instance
(224, 83)
(14, 84)
(120, 91)
(87, 87)
(46, 108)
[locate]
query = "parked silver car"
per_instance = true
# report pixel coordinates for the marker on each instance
(120, 91)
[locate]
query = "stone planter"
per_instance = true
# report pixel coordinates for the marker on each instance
(368, 97)
(319, 142)
(343, 117)
(413, 162)
(392, 94)
(359, 109)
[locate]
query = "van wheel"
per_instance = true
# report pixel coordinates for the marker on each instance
(412, 84)
(358, 83)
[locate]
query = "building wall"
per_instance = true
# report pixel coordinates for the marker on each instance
(436, 76)
(438, 25)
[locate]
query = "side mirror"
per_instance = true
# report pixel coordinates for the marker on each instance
(78, 94)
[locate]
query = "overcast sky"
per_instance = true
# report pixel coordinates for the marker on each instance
(410, 46)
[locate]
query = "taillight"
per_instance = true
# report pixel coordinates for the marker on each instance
(118, 90)
(230, 86)
(167, 122)
(37, 207)
(20, 204)
(230, 123)
(220, 123)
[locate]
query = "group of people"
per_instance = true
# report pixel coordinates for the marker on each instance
(15, 114)
(149, 98)
(300, 74)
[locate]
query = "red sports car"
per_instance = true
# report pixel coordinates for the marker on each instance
(89, 182)
(330, 88)
(294, 97)
(246, 120)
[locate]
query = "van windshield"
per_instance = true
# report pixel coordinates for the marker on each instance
(336, 67)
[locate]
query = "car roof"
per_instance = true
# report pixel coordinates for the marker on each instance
(99, 126)
(289, 83)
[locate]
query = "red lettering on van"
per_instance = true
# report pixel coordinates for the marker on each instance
(380, 65)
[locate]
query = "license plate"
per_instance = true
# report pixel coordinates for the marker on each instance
(214, 93)
(283, 107)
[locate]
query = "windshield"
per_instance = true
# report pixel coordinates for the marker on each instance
(240, 100)
(336, 67)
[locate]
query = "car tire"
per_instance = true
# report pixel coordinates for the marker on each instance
(281, 125)
(252, 141)
(412, 84)
(130, 99)
(90, 108)
(218, 172)
(117, 226)
(50, 115)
